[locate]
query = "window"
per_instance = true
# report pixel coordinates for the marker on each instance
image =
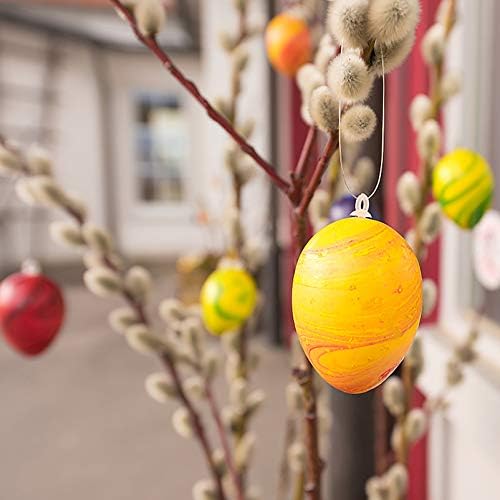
(161, 147)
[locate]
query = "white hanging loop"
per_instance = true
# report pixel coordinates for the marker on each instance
(362, 207)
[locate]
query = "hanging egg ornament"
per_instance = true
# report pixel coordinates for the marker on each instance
(31, 311)
(463, 185)
(288, 43)
(228, 298)
(357, 302)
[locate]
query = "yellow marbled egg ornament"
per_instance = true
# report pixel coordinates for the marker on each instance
(357, 302)
(463, 185)
(228, 298)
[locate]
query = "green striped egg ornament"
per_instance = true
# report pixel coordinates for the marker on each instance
(463, 185)
(228, 298)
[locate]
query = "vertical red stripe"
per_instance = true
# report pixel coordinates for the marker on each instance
(403, 85)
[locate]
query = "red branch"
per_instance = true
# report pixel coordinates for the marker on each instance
(191, 87)
(319, 170)
(233, 471)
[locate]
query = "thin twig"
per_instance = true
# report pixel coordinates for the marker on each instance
(318, 172)
(214, 410)
(191, 87)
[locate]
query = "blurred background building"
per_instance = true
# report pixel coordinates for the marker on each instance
(142, 153)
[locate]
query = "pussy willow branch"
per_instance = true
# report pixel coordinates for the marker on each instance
(152, 45)
(235, 475)
(426, 187)
(317, 174)
(242, 36)
(300, 201)
(165, 358)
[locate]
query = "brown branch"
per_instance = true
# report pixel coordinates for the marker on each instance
(299, 172)
(235, 475)
(314, 464)
(318, 172)
(300, 169)
(152, 45)
(197, 424)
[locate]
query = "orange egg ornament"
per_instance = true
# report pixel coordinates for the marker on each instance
(357, 302)
(288, 43)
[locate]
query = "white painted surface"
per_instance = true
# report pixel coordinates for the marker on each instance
(465, 443)
(142, 229)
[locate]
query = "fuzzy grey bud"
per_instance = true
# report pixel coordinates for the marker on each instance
(160, 387)
(181, 421)
(254, 401)
(140, 339)
(97, 238)
(393, 394)
(415, 425)
(389, 56)
(429, 139)
(358, 123)
(348, 77)
(204, 490)
(420, 110)
(46, 191)
(396, 438)
(102, 281)
(66, 233)
(296, 457)
(392, 20)
(309, 77)
(39, 161)
(244, 450)
(324, 109)
(415, 358)
(430, 223)
(122, 318)
(150, 16)
(171, 310)
(409, 193)
(320, 205)
(323, 57)
(451, 84)
(138, 282)
(433, 44)
(238, 392)
(348, 22)
(397, 480)
(25, 192)
(429, 296)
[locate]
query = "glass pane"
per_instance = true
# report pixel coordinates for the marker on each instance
(161, 147)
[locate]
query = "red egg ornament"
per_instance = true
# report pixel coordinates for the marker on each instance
(31, 311)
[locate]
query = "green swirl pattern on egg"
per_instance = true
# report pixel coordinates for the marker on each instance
(463, 184)
(227, 298)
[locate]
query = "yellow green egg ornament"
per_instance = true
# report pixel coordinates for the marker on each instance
(463, 185)
(357, 302)
(228, 298)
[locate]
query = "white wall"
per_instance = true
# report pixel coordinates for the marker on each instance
(465, 442)
(77, 146)
(81, 160)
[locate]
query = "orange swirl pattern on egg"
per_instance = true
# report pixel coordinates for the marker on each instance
(288, 43)
(357, 302)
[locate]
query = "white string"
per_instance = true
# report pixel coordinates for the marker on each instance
(382, 147)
